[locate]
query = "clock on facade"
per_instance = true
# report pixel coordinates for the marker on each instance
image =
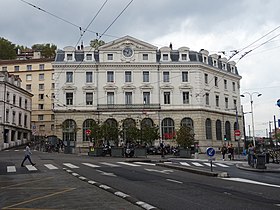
(127, 52)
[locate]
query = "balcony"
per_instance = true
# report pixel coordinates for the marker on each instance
(114, 107)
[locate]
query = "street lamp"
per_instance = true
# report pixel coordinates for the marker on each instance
(251, 100)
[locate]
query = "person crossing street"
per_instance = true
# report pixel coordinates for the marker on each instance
(28, 154)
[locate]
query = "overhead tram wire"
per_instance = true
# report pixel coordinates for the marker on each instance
(104, 32)
(238, 51)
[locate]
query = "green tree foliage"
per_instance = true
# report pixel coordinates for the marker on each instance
(149, 134)
(110, 133)
(47, 50)
(185, 137)
(96, 43)
(130, 134)
(7, 49)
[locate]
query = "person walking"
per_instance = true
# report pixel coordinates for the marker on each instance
(251, 154)
(231, 152)
(224, 151)
(28, 154)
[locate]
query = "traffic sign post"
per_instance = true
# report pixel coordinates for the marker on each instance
(210, 151)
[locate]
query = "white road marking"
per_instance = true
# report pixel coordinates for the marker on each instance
(51, 166)
(106, 173)
(159, 171)
(145, 205)
(121, 194)
(128, 164)
(222, 165)
(144, 163)
(110, 164)
(31, 168)
(172, 180)
(184, 164)
(251, 182)
(11, 169)
(209, 164)
(91, 165)
(69, 165)
(197, 164)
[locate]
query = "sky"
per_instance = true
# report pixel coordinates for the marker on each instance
(250, 27)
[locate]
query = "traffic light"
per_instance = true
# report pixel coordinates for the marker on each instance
(225, 137)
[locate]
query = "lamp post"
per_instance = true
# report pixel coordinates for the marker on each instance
(252, 111)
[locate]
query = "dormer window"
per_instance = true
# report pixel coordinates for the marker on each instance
(224, 66)
(184, 57)
(215, 63)
(165, 57)
(232, 69)
(204, 59)
(69, 57)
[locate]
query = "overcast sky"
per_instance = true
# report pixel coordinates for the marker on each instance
(215, 25)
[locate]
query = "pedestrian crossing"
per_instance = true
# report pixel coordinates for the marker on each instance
(13, 169)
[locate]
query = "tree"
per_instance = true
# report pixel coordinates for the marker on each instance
(110, 133)
(7, 49)
(47, 50)
(96, 43)
(185, 137)
(149, 134)
(130, 134)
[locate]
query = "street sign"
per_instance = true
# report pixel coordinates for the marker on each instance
(237, 133)
(210, 151)
(278, 102)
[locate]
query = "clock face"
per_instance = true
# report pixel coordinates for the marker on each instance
(127, 52)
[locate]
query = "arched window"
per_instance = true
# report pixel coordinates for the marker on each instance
(111, 131)
(208, 128)
(88, 124)
(219, 130)
(147, 122)
(188, 122)
(69, 130)
(111, 122)
(228, 132)
(168, 129)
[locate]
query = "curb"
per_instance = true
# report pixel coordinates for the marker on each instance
(194, 170)
(241, 167)
(113, 191)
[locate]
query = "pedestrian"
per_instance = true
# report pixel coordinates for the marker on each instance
(27, 155)
(162, 147)
(251, 154)
(231, 151)
(224, 151)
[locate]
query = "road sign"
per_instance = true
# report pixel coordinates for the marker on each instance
(237, 133)
(278, 102)
(210, 151)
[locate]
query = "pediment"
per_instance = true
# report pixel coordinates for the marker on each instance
(185, 86)
(128, 87)
(127, 41)
(146, 86)
(169, 87)
(69, 87)
(110, 87)
(89, 87)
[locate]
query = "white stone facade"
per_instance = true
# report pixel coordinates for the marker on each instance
(134, 79)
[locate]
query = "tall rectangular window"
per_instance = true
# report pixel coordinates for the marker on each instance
(69, 98)
(89, 77)
(8, 96)
(40, 106)
(146, 97)
(166, 97)
(29, 67)
(128, 98)
(25, 103)
(89, 98)
(184, 57)
(165, 57)
(207, 98)
(41, 66)
(28, 77)
(40, 117)
(20, 101)
(14, 99)
(217, 101)
(226, 102)
(186, 97)
(28, 87)
(206, 78)
(216, 81)
(110, 98)
(234, 103)
(127, 76)
(225, 84)
(41, 96)
(25, 121)
(69, 76)
(14, 117)
(41, 86)
(185, 76)
(110, 76)
(16, 68)
(146, 76)
(41, 77)
(233, 86)
(19, 119)
(165, 76)
(7, 115)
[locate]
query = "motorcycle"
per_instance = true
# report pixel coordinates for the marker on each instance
(106, 150)
(129, 151)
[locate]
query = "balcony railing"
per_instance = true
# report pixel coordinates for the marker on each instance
(128, 106)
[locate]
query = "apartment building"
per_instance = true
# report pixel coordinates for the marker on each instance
(36, 74)
(129, 81)
(15, 111)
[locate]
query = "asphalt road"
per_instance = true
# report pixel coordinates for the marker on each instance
(157, 187)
